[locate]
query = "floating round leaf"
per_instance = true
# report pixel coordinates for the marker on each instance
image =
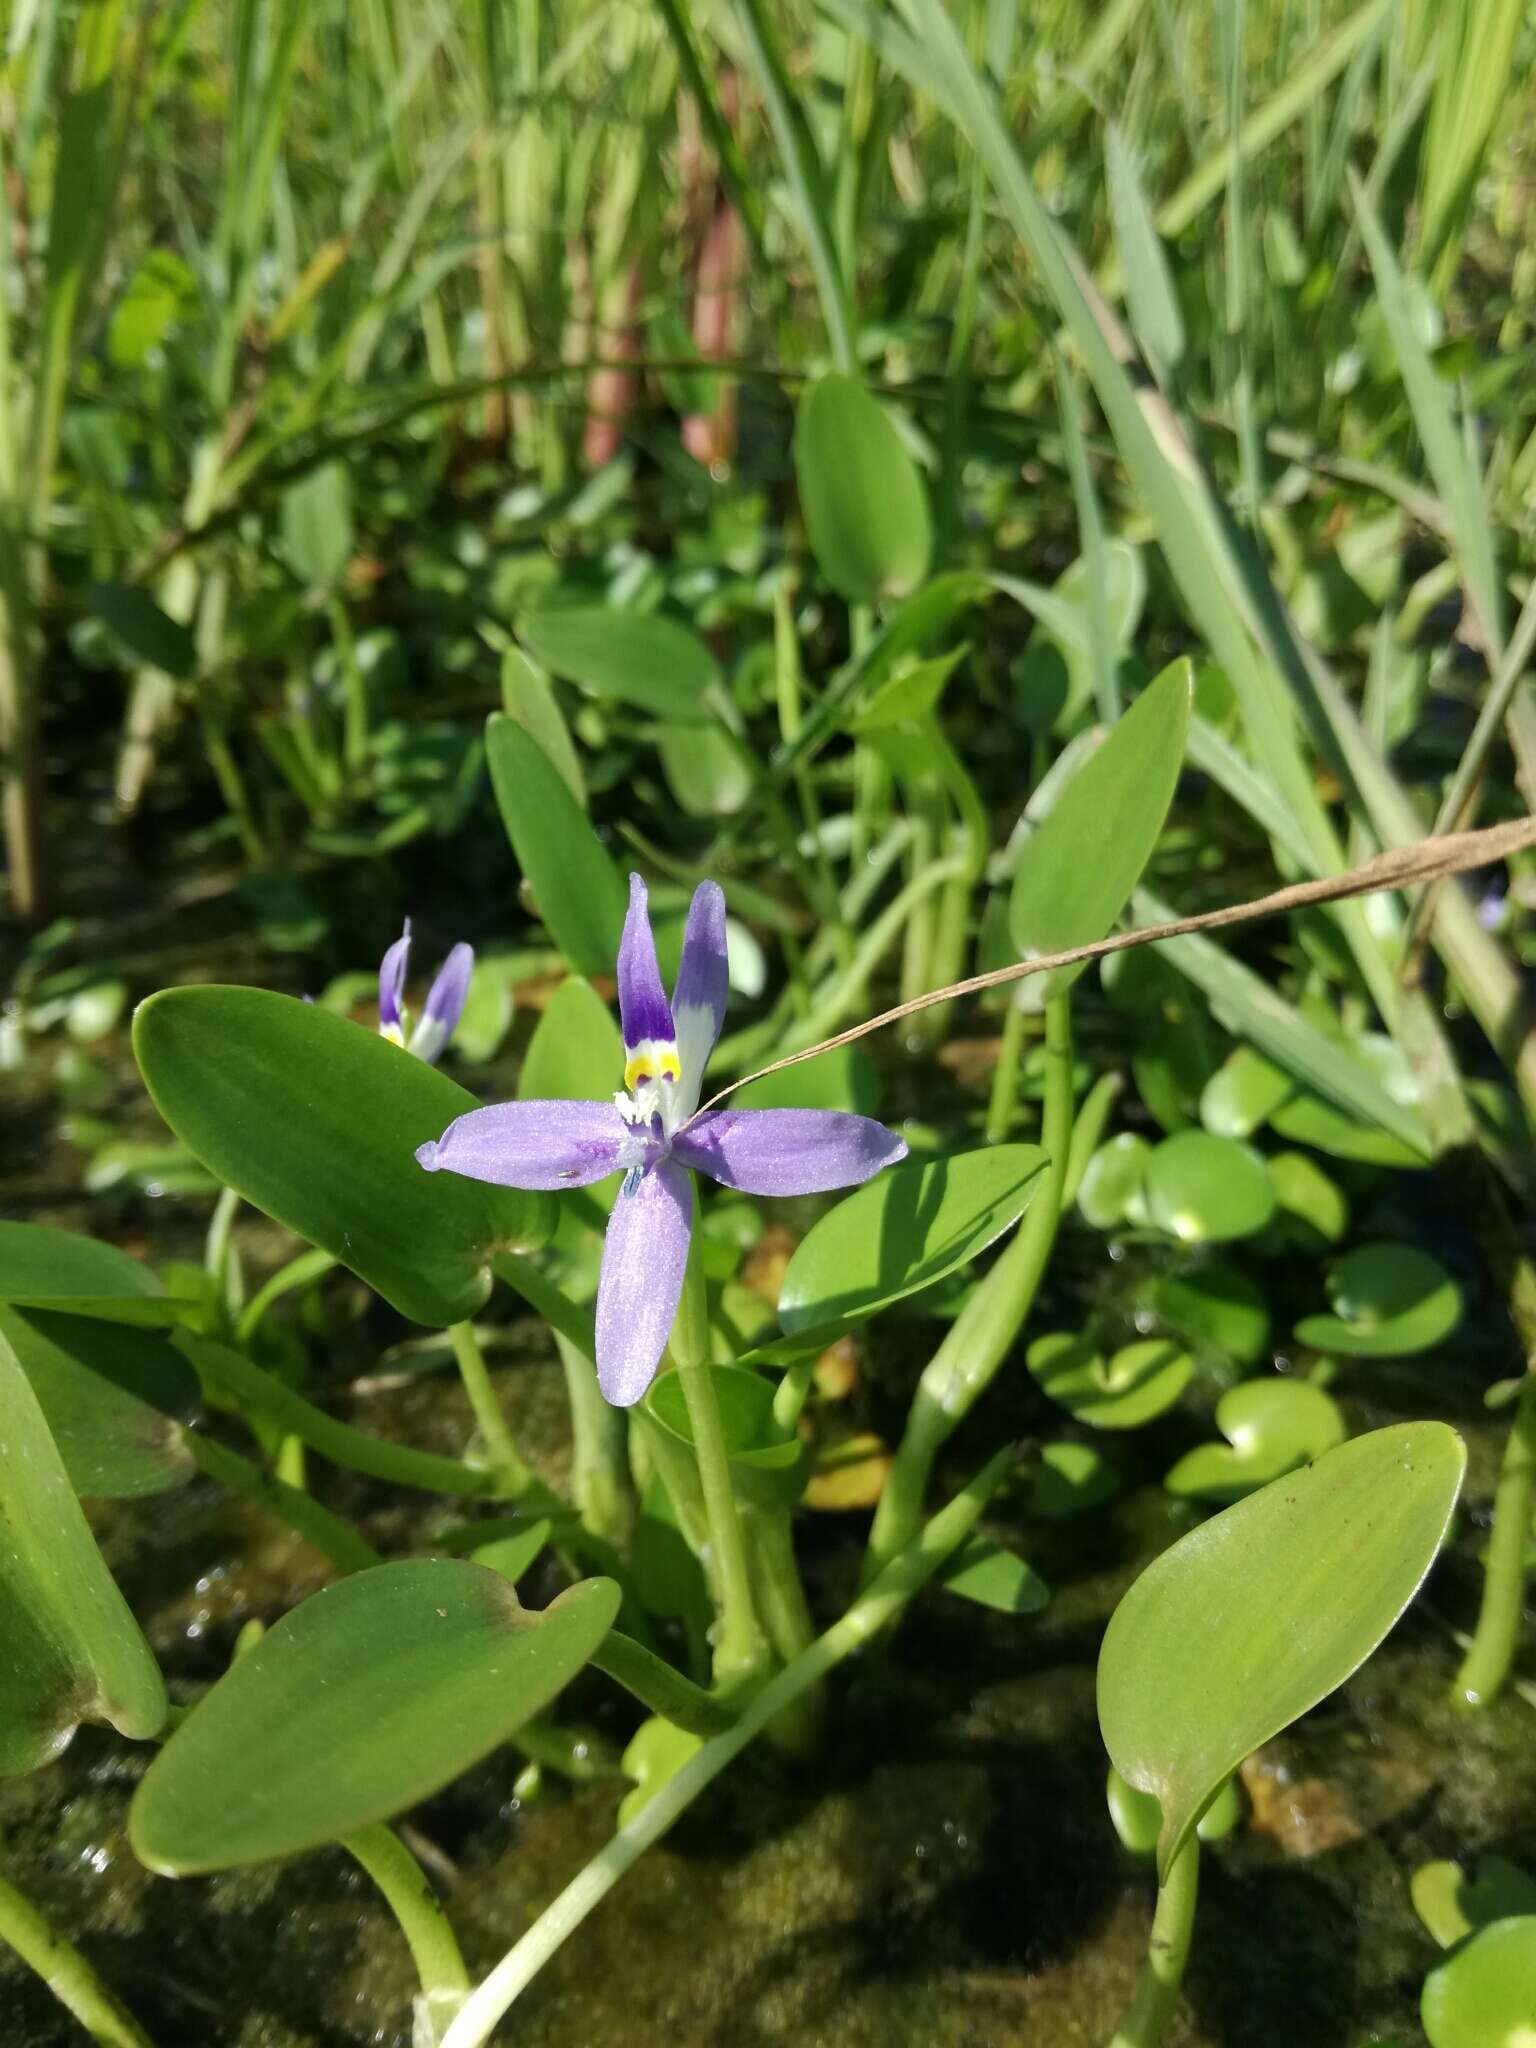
(1271, 1427)
(1307, 1119)
(1243, 1094)
(1215, 1307)
(1110, 1191)
(1070, 1479)
(1311, 1205)
(865, 508)
(316, 1122)
(1483, 1995)
(1452, 1902)
(1139, 1382)
(1203, 1189)
(1251, 1619)
(1391, 1300)
(369, 1697)
(905, 1230)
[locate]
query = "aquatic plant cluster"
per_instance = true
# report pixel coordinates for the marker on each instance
(978, 1078)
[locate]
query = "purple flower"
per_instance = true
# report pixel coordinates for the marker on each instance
(445, 998)
(653, 1133)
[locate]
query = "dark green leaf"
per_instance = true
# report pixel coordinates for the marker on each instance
(364, 1700)
(109, 1394)
(640, 658)
(316, 1122)
(865, 508)
(576, 888)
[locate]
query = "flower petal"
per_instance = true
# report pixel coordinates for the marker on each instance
(703, 984)
(533, 1144)
(787, 1151)
(643, 1010)
(392, 985)
(445, 1004)
(644, 1255)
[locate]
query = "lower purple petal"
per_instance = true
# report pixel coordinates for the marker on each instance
(787, 1151)
(392, 980)
(644, 1255)
(531, 1144)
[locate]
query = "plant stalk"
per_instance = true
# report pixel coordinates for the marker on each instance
(66, 1973)
(1163, 1972)
(1488, 1660)
(493, 1426)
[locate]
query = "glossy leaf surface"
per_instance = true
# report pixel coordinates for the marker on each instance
(904, 1230)
(316, 1122)
(72, 1651)
(1251, 1619)
(367, 1698)
(110, 1394)
(41, 1267)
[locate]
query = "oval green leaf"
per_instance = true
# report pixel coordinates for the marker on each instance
(641, 658)
(1251, 1619)
(1390, 1301)
(110, 1395)
(41, 1267)
(866, 512)
(576, 888)
(72, 1651)
(903, 1231)
(1215, 1307)
(1203, 1189)
(1484, 1993)
(1075, 874)
(364, 1700)
(768, 1469)
(316, 1122)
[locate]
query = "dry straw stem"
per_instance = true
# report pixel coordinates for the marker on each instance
(1401, 867)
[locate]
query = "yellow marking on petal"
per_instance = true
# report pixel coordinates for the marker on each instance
(640, 1068)
(671, 1067)
(393, 1033)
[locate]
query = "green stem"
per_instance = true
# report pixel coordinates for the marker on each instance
(1004, 1102)
(1163, 1972)
(600, 1480)
(417, 1908)
(492, 1423)
(658, 1686)
(780, 1601)
(216, 1252)
(873, 1611)
(983, 1333)
(741, 1650)
(354, 745)
(66, 1973)
(1488, 1660)
(329, 1534)
(255, 1392)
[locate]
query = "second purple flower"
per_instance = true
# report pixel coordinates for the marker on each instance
(651, 1131)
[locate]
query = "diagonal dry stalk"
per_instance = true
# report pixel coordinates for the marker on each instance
(1400, 867)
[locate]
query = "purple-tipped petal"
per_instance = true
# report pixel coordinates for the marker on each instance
(445, 1004)
(392, 984)
(698, 1001)
(533, 1144)
(644, 1256)
(787, 1151)
(643, 1010)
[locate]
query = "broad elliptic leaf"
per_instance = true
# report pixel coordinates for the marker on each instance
(576, 888)
(362, 1701)
(142, 630)
(866, 512)
(316, 1122)
(72, 1651)
(1075, 874)
(641, 658)
(1271, 1426)
(993, 1576)
(1251, 1619)
(576, 1053)
(111, 1396)
(41, 1267)
(905, 1230)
